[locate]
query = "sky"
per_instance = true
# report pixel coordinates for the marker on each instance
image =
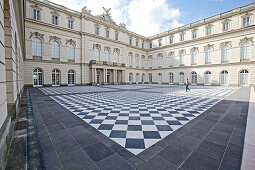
(150, 17)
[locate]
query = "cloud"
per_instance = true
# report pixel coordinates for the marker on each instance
(145, 17)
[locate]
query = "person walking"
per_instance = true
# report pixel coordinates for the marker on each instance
(187, 85)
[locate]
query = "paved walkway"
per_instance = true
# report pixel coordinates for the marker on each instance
(212, 139)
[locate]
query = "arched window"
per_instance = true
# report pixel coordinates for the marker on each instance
(224, 78)
(171, 78)
(193, 57)
(171, 60)
(55, 75)
(130, 78)
(96, 54)
(225, 53)
(208, 78)
(130, 60)
(37, 47)
(181, 78)
(245, 50)
(160, 61)
(107, 56)
(194, 78)
(182, 59)
(116, 55)
(70, 52)
(208, 55)
(37, 77)
(143, 77)
(137, 78)
(159, 78)
(71, 78)
(55, 49)
(150, 78)
(244, 78)
(142, 62)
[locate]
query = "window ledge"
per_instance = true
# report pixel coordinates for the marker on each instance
(37, 57)
(171, 65)
(71, 60)
(208, 63)
(150, 68)
(55, 59)
(194, 64)
(225, 62)
(245, 60)
(181, 65)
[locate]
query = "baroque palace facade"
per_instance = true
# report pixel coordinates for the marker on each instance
(65, 47)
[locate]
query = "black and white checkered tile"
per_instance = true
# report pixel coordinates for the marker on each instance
(135, 120)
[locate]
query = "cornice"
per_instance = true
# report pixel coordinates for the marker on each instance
(55, 62)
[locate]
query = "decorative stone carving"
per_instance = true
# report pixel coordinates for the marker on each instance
(123, 25)
(36, 34)
(194, 49)
(36, 7)
(182, 51)
(208, 46)
(225, 43)
(160, 55)
(246, 39)
(142, 56)
(71, 41)
(116, 50)
(54, 12)
(70, 18)
(136, 55)
(96, 46)
(130, 54)
(150, 56)
(54, 38)
(171, 53)
(106, 48)
(86, 11)
(106, 16)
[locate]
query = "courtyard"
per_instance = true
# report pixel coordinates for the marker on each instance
(140, 126)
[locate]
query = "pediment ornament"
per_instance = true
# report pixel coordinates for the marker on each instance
(36, 34)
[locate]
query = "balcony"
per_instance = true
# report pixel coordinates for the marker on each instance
(105, 63)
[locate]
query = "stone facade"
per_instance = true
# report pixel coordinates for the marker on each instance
(107, 53)
(11, 67)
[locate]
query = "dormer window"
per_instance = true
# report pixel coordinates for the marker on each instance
(194, 34)
(246, 21)
(96, 30)
(136, 43)
(208, 30)
(171, 40)
(225, 26)
(36, 14)
(107, 33)
(70, 24)
(159, 43)
(54, 19)
(143, 45)
(181, 37)
(150, 45)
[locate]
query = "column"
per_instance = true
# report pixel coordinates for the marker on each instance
(114, 76)
(95, 75)
(106, 76)
(92, 75)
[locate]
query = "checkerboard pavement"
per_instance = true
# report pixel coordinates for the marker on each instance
(135, 120)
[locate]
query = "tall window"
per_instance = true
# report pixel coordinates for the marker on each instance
(181, 78)
(160, 61)
(55, 75)
(130, 41)
(107, 33)
(159, 43)
(116, 36)
(136, 43)
(137, 61)
(245, 50)
(116, 57)
(208, 30)
(194, 34)
(150, 62)
(130, 78)
(137, 78)
(182, 59)
(54, 49)
(181, 37)
(96, 54)
(71, 78)
(36, 14)
(194, 78)
(159, 78)
(107, 56)
(96, 30)
(150, 78)
(54, 19)
(130, 60)
(70, 51)
(224, 53)
(225, 26)
(142, 45)
(150, 45)
(143, 77)
(244, 78)
(171, 60)
(208, 78)
(70, 24)
(171, 40)
(246, 21)
(142, 62)
(224, 78)
(36, 47)
(193, 57)
(208, 55)
(171, 78)
(37, 78)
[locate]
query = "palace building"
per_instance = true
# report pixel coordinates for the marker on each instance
(66, 47)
